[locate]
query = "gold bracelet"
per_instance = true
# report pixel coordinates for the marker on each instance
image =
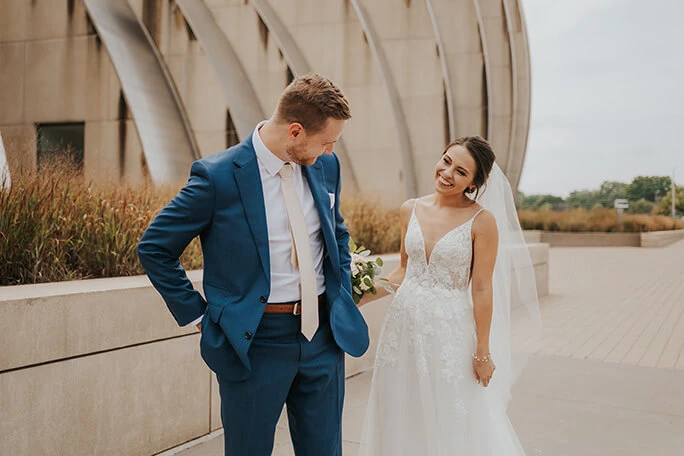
(486, 358)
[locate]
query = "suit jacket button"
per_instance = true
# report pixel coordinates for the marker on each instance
(262, 299)
(248, 335)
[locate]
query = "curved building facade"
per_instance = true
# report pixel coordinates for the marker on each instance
(4, 170)
(144, 87)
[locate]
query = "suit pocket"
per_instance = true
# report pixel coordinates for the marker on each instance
(220, 288)
(219, 296)
(217, 351)
(214, 312)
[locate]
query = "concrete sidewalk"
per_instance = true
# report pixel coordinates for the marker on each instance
(616, 304)
(609, 377)
(560, 407)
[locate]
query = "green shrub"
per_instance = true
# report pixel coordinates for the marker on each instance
(641, 207)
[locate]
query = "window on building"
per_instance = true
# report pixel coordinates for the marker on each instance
(445, 116)
(485, 104)
(263, 32)
(231, 132)
(151, 17)
(62, 141)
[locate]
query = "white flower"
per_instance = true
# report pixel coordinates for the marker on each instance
(354, 269)
(363, 285)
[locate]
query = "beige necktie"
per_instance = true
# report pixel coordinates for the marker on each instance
(303, 257)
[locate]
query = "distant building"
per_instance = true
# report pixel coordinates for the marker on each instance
(147, 86)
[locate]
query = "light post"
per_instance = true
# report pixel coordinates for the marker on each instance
(674, 193)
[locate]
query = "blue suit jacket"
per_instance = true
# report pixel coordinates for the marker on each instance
(223, 204)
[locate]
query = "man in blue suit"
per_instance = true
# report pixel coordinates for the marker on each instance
(258, 277)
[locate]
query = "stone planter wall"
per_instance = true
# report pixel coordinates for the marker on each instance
(100, 367)
(592, 239)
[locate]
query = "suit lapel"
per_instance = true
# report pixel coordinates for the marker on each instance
(248, 181)
(315, 176)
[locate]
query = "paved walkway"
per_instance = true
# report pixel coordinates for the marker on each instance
(619, 305)
(609, 378)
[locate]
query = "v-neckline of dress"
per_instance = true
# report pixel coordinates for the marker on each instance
(427, 257)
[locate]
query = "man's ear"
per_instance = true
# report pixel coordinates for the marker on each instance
(295, 129)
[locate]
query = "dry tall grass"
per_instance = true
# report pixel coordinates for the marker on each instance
(56, 226)
(371, 224)
(597, 220)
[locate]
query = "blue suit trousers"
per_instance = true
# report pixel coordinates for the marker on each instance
(306, 376)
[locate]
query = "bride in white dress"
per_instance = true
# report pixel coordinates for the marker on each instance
(443, 367)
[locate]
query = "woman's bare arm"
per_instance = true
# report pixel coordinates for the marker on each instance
(397, 275)
(485, 246)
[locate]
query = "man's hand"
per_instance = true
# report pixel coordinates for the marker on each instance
(199, 326)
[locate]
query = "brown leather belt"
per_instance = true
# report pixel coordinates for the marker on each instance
(293, 307)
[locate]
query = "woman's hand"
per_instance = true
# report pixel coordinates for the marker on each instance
(485, 245)
(483, 371)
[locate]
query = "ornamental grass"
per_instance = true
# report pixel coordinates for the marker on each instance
(55, 225)
(596, 220)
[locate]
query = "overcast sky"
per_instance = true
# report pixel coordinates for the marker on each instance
(607, 92)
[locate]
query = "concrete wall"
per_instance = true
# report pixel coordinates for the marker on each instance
(100, 367)
(54, 69)
(370, 136)
(539, 253)
(414, 79)
(406, 37)
(194, 77)
(661, 238)
(559, 239)
(591, 239)
(532, 236)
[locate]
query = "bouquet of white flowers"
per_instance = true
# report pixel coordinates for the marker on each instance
(364, 272)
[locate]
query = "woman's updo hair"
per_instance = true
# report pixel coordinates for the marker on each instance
(484, 157)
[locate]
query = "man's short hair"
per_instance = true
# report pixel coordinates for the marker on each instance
(310, 100)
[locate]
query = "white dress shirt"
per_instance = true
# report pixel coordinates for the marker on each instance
(284, 276)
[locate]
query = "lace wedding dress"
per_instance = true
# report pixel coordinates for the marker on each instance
(424, 400)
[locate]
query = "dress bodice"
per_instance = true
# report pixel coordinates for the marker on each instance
(449, 264)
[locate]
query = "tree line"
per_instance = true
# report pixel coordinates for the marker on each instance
(646, 195)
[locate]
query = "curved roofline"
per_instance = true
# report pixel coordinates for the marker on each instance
(528, 64)
(159, 116)
(241, 98)
(487, 68)
(514, 85)
(451, 115)
(405, 149)
(5, 180)
(298, 65)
